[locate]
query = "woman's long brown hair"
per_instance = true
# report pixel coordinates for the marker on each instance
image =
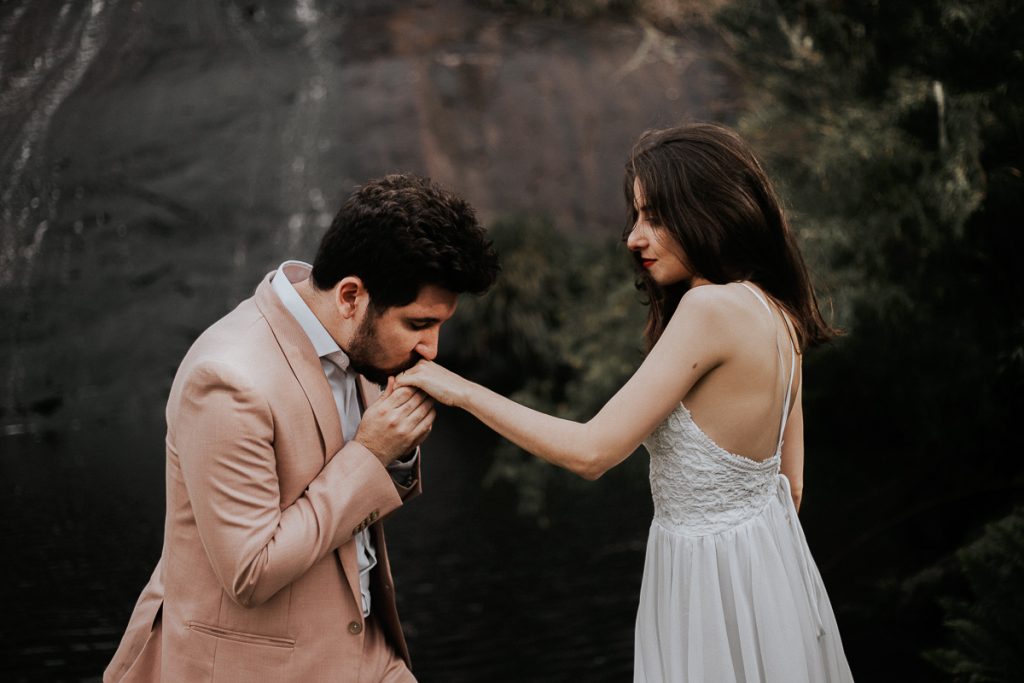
(712, 196)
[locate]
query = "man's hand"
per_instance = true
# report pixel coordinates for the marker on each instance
(394, 424)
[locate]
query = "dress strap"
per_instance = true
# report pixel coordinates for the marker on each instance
(792, 362)
(789, 394)
(760, 297)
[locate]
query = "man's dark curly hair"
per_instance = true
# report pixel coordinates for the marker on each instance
(401, 232)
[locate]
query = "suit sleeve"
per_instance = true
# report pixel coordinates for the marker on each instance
(225, 444)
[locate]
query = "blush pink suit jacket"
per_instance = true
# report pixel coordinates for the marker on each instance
(258, 579)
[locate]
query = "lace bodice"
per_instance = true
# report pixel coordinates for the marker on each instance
(699, 488)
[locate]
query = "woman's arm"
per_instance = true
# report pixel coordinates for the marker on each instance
(793, 448)
(693, 344)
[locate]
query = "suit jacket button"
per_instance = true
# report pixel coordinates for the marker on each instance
(355, 628)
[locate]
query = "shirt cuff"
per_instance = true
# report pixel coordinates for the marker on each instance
(402, 470)
(404, 464)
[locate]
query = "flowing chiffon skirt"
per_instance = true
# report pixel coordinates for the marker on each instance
(745, 604)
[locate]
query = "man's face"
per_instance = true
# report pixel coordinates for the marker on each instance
(395, 340)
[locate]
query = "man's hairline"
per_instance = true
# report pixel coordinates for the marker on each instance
(375, 308)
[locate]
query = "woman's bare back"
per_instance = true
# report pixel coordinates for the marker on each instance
(738, 403)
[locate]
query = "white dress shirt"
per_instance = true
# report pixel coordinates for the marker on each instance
(342, 381)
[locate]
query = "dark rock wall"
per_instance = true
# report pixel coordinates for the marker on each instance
(158, 157)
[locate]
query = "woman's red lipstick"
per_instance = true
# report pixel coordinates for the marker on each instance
(647, 262)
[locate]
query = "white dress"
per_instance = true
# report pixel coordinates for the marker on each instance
(730, 592)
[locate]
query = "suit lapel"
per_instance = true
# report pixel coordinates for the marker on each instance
(307, 368)
(368, 392)
(305, 364)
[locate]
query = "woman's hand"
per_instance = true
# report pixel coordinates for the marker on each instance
(444, 385)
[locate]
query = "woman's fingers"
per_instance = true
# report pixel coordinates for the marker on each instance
(410, 376)
(422, 405)
(432, 379)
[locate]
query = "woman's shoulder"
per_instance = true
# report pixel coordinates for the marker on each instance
(722, 307)
(711, 298)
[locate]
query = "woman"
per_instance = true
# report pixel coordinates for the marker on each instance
(730, 592)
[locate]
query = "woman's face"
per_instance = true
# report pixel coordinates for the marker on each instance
(660, 255)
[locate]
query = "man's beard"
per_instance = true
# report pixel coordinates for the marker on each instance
(366, 347)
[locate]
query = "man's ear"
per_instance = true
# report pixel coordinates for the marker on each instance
(350, 296)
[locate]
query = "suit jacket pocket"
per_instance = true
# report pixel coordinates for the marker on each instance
(241, 637)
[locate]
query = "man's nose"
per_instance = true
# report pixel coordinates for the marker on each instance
(427, 346)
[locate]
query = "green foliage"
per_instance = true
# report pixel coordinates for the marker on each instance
(896, 132)
(873, 147)
(560, 332)
(988, 642)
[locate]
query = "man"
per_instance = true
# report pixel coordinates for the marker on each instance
(282, 458)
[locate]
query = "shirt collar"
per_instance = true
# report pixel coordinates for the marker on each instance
(323, 343)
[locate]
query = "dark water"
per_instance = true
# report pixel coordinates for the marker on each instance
(484, 594)
(82, 519)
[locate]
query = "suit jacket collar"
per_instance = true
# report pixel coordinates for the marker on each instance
(368, 391)
(304, 362)
(323, 344)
